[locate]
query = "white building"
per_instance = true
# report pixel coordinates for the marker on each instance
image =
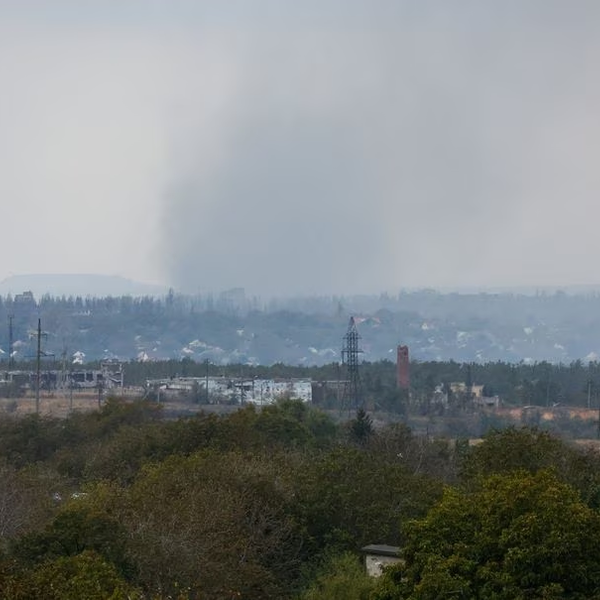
(228, 389)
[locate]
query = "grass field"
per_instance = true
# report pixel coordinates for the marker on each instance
(59, 404)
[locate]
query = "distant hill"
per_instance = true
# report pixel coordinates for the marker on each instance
(78, 285)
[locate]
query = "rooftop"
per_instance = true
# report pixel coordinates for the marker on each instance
(381, 550)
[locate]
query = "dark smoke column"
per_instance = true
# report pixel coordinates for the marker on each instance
(403, 368)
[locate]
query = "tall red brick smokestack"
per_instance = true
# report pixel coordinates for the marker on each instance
(403, 369)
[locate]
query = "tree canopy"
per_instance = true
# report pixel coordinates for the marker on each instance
(276, 502)
(519, 536)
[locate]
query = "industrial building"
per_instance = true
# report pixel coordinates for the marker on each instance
(108, 377)
(216, 390)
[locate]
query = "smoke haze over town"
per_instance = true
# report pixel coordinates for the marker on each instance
(301, 148)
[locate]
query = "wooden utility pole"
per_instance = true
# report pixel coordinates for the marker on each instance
(10, 342)
(100, 386)
(38, 366)
(206, 381)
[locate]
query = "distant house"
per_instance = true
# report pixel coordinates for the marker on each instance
(24, 304)
(378, 556)
(487, 401)
(25, 299)
(439, 396)
(476, 395)
(476, 391)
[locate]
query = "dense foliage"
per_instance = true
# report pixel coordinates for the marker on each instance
(277, 503)
(518, 536)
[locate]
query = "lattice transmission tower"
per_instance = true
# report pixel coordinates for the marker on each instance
(352, 398)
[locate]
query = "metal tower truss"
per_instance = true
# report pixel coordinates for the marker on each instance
(352, 398)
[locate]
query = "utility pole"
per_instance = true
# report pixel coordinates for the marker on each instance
(70, 393)
(10, 342)
(38, 364)
(338, 396)
(100, 386)
(598, 432)
(206, 380)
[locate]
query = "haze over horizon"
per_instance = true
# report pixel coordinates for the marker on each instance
(302, 148)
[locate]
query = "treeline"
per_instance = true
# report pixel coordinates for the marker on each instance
(277, 503)
(232, 328)
(542, 384)
(539, 384)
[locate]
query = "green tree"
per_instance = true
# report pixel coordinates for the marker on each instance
(514, 448)
(77, 528)
(530, 449)
(350, 497)
(25, 499)
(215, 523)
(518, 537)
(293, 424)
(86, 575)
(361, 427)
(340, 577)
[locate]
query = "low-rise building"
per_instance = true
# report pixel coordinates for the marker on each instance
(379, 556)
(233, 390)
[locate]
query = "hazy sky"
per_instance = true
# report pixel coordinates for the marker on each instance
(302, 147)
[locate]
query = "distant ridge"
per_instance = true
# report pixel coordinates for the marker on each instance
(78, 285)
(575, 289)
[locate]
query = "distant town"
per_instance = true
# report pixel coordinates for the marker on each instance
(377, 359)
(233, 328)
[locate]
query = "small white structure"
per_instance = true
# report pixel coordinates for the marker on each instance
(487, 401)
(378, 556)
(267, 391)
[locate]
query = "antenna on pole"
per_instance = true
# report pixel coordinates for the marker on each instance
(352, 397)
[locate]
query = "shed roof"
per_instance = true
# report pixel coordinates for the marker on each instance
(381, 550)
